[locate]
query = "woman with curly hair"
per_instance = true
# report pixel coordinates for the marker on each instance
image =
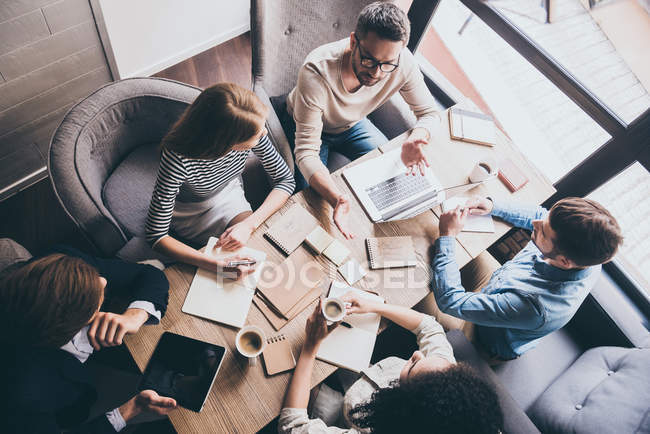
(430, 392)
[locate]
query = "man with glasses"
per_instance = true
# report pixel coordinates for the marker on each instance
(342, 82)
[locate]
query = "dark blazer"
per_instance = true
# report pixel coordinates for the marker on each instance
(47, 390)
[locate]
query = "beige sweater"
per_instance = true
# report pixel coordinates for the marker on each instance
(432, 341)
(320, 102)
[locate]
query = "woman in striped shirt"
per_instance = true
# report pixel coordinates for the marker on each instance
(199, 193)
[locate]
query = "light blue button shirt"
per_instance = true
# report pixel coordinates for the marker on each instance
(524, 300)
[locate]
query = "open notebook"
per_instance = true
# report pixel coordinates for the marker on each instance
(474, 223)
(351, 348)
(226, 301)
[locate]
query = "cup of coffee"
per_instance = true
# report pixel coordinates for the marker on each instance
(484, 170)
(333, 309)
(250, 343)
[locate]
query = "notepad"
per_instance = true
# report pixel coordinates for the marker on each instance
(352, 271)
(472, 127)
(318, 240)
(285, 284)
(275, 318)
(213, 297)
(351, 348)
(290, 230)
(277, 355)
(474, 223)
(389, 252)
(336, 252)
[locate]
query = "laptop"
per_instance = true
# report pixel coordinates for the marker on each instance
(184, 369)
(387, 193)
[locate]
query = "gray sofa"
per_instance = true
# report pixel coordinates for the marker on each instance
(607, 390)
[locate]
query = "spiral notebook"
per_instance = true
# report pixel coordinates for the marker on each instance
(277, 355)
(390, 252)
(290, 230)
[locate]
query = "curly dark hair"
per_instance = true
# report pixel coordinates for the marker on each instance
(451, 401)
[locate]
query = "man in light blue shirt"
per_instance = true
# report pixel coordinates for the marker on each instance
(540, 289)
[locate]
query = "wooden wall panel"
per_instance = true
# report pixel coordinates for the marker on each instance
(54, 98)
(43, 52)
(50, 58)
(61, 71)
(39, 131)
(22, 30)
(67, 13)
(13, 8)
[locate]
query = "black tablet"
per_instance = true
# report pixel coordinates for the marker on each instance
(184, 369)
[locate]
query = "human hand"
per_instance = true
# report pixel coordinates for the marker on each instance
(413, 155)
(236, 236)
(479, 205)
(147, 401)
(358, 304)
(316, 329)
(237, 272)
(452, 221)
(107, 329)
(341, 214)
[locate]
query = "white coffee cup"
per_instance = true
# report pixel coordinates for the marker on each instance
(333, 309)
(250, 343)
(484, 170)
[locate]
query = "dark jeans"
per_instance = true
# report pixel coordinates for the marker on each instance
(357, 141)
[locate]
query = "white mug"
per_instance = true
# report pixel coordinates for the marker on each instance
(333, 309)
(484, 170)
(253, 345)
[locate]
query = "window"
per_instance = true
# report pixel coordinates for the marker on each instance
(550, 129)
(626, 197)
(572, 93)
(605, 47)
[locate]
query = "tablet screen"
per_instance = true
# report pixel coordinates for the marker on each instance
(184, 369)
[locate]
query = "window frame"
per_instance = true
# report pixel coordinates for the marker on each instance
(628, 144)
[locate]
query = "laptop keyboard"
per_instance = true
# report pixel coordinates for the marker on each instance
(396, 189)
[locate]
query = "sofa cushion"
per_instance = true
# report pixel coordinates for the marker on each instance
(607, 390)
(127, 191)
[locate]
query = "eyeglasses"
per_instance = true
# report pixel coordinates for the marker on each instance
(371, 63)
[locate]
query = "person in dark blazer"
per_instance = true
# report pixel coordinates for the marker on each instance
(52, 319)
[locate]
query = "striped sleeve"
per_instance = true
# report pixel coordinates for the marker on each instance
(275, 166)
(171, 175)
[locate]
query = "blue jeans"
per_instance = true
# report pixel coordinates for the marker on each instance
(357, 141)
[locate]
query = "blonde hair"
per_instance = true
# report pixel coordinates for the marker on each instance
(221, 117)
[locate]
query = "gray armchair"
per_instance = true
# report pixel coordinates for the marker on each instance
(104, 158)
(282, 34)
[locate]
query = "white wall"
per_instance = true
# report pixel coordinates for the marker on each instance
(142, 37)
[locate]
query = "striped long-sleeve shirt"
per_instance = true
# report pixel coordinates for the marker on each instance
(200, 178)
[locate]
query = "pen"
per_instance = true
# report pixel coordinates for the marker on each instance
(244, 262)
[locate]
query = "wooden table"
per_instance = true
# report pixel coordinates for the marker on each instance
(243, 399)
